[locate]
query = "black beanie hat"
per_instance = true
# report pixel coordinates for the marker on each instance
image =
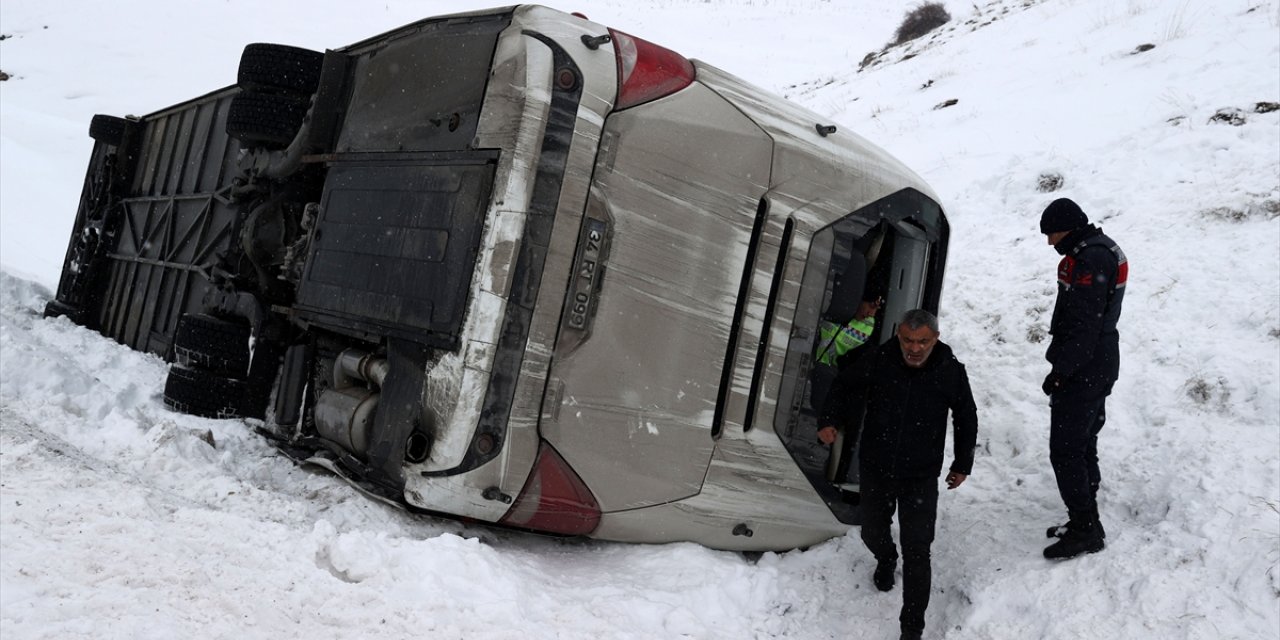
(1062, 215)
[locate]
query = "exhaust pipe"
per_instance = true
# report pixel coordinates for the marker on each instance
(344, 413)
(345, 416)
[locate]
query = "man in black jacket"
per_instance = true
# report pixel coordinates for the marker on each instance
(1085, 354)
(907, 387)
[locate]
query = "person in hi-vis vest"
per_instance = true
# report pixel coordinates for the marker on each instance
(834, 342)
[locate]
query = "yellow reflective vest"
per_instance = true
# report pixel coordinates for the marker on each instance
(834, 340)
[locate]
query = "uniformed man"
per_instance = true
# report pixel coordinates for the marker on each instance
(1085, 354)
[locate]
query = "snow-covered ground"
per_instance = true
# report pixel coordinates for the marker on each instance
(121, 519)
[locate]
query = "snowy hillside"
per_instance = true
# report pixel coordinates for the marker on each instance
(121, 519)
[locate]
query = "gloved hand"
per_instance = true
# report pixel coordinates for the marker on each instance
(1053, 383)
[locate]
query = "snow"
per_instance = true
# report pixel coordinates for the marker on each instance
(121, 519)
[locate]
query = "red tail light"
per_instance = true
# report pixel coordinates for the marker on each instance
(554, 499)
(646, 71)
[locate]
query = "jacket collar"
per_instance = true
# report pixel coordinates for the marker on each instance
(1071, 242)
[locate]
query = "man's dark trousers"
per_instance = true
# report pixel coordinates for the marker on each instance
(1074, 422)
(916, 501)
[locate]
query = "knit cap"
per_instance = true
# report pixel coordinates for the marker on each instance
(1062, 215)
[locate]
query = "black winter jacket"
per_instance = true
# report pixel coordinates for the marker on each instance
(905, 428)
(1085, 349)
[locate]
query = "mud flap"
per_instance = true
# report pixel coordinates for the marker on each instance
(399, 412)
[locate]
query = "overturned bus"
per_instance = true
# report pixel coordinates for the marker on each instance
(509, 266)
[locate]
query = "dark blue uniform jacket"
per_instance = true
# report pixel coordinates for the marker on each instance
(1085, 348)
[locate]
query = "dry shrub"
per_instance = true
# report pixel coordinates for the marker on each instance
(1049, 182)
(921, 20)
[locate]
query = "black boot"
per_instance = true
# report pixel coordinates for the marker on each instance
(1060, 530)
(911, 635)
(883, 576)
(1084, 535)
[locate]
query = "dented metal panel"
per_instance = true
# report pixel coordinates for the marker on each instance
(813, 181)
(678, 188)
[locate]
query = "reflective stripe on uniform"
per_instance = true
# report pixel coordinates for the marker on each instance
(836, 341)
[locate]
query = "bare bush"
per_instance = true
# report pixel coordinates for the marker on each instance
(1208, 392)
(1228, 115)
(1049, 182)
(1036, 333)
(1267, 209)
(921, 20)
